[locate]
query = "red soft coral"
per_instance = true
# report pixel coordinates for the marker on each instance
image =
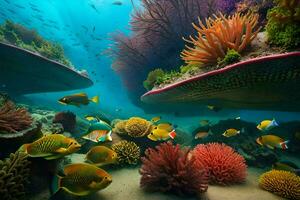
(224, 164)
(167, 168)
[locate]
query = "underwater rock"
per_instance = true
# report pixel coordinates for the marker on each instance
(67, 119)
(31, 68)
(14, 175)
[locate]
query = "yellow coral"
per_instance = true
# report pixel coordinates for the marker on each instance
(128, 152)
(138, 127)
(119, 127)
(283, 183)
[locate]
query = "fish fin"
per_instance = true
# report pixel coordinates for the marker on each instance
(274, 123)
(269, 146)
(283, 145)
(81, 94)
(56, 184)
(61, 150)
(82, 193)
(95, 99)
(108, 136)
(23, 148)
(62, 103)
(151, 137)
(172, 134)
(53, 157)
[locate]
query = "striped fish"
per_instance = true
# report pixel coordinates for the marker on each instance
(51, 147)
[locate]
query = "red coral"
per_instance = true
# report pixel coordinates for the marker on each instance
(224, 164)
(66, 119)
(167, 168)
(13, 119)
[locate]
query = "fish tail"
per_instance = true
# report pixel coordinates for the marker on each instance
(274, 123)
(56, 184)
(283, 145)
(108, 136)
(95, 99)
(172, 134)
(242, 130)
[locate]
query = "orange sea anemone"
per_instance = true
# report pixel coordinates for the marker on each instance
(220, 34)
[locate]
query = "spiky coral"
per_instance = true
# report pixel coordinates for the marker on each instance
(167, 168)
(137, 127)
(220, 34)
(224, 164)
(13, 119)
(128, 152)
(282, 183)
(14, 174)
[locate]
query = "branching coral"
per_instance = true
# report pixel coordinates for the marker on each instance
(14, 174)
(137, 127)
(66, 119)
(224, 164)
(13, 119)
(128, 152)
(167, 168)
(220, 34)
(282, 183)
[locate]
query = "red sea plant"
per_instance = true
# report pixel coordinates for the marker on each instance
(167, 168)
(13, 119)
(224, 164)
(66, 119)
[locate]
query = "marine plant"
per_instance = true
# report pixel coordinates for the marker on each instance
(225, 166)
(14, 174)
(283, 183)
(138, 127)
(128, 153)
(283, 25)
(13, 119)
(152, 78)
(232, 56)
(66, 119)
(218, 35)
(168, 168)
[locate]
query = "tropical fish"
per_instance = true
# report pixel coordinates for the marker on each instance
(267, 125)
(286, 166)
(101, 155)
(81, 179)
(214, 108)
(78, 99)
(91, 118)
(94, 7)
(162, 132)
(51, 147)
(231, 132)
(204, 122)
(98, 132)
(155, 119)
(203, 134)
(117, 3)
(272, 141)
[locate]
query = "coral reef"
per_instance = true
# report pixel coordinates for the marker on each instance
(220, 34)
(14, 174)
(138, 127)
(231, 57)
(128, 152)
(224, 164)
(167, 168)
(283, 25)
(282, 183)
(152, 78)
(119, 127)
(67, 119)
(13, 119)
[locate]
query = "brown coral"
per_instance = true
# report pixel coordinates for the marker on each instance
(138, 127)
(220, 34)
(128, 152)
(282, 183)
(119, 127)
(14, 173)
(13, 119)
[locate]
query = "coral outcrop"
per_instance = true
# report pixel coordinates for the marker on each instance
(14, 174)
(119, 127)
(168, 168)
(282, 183)
(138, 127)
(225, 166)
(66, 119)
(128, 152)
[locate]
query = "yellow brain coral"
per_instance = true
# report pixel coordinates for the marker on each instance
(283, 183)
(119, 127)
(128, 152)
(138, 127)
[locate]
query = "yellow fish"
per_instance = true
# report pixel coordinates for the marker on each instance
(267, 125)
(165, 126)
(78, 99)
(82, 179)
(272, 142)
(231, 132)
(156, 119)
(159, 134)
(101, 155)
(51, 147)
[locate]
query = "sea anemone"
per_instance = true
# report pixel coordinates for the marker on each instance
(13, 119)
(220, 34)
(283, 183)
(167, 168)
(137, 127)
(224, 164)
(66, 119)
(128, 152)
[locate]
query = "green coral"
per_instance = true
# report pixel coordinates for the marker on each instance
(22, 37)
(128, 152)
(167, 77)
(283, 25)
(232, 56)
(14, 174)
(152, 77)
(188, 68)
